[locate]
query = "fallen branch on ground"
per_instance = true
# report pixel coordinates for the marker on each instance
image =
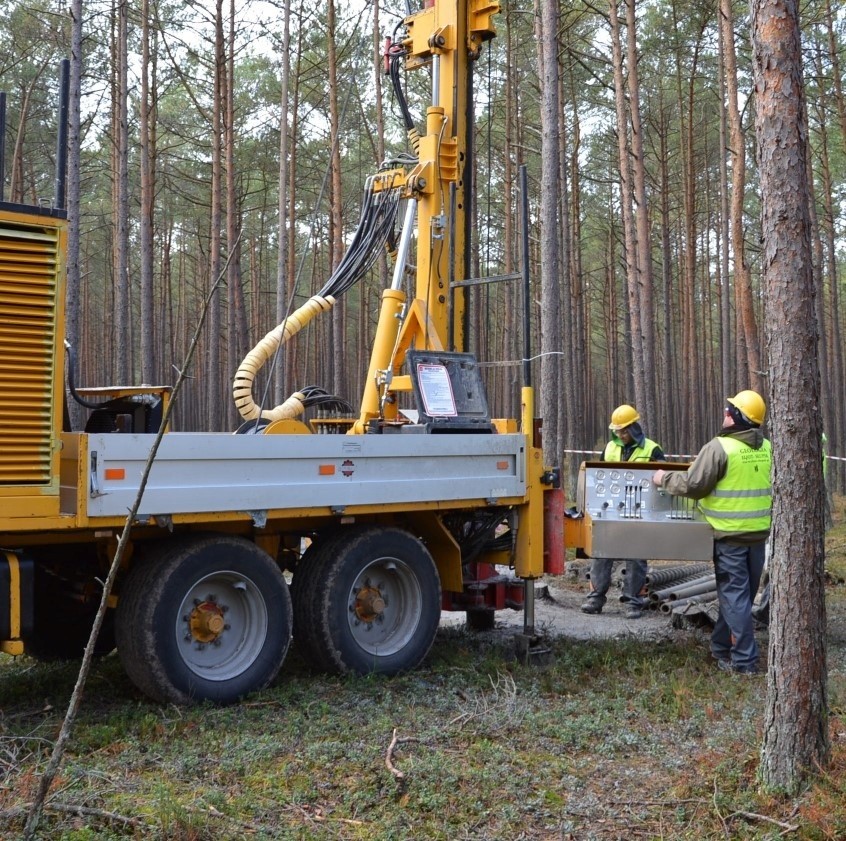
(399, 776)
(75, 809)
(754, 816)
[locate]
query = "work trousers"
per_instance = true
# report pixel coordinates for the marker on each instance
(600, 580)
(738, 572)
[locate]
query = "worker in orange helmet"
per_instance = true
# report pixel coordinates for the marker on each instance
(730, 478)
(628, 443)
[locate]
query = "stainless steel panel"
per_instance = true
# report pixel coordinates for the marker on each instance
(666, 540)
(628, 517)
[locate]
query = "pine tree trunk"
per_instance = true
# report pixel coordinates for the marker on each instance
(237, 321)
(121, 334)
(336, 231)
(726, 358)
(832, 411)
(284, 255)
(668, 420)
(568, 416)
(796, 739)
(629, 234)
(550, 262)
(750, 374)
(74, 275)
(146, 127)
(647, 404)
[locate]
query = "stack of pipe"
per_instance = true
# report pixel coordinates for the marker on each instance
(680, 590)
(674, 575)
(677, 598)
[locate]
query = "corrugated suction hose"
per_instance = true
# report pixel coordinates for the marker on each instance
(242, 387)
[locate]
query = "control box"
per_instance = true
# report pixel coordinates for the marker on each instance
(628, 517)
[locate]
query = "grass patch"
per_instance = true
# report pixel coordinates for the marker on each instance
(611, 739)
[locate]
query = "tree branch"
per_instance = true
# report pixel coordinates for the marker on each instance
(37, 808)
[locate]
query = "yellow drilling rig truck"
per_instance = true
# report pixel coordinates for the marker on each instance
(377, 527)
(413, 506)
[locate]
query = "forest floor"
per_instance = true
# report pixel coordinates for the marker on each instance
(619, 729)
(558, 614)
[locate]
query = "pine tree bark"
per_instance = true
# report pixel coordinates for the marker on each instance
(831, 363)
(511, 338)
(146, 143)
(647, 406)
(74, 275)
(293, 349)
(550, 263)
(585, 405)
(336, 232)
(237, 331)
(283, 255)
(837, 420)
(726, 358)
(667, 426)
(214, 410)
(122, 335)
(629, 231)
(796, 742)
(569, 419)
(750, 374)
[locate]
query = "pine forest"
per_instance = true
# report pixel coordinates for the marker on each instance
(232, 141)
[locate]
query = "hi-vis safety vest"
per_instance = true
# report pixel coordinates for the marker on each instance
(643, 452)
(742, 500)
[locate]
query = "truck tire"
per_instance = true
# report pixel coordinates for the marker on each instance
(306, 588)
(205, 619)
(369, 602)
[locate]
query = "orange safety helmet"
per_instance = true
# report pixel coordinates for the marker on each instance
(622, 417)
(751, 404)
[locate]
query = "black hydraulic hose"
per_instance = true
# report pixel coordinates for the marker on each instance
(396, 56)
(527, 307)
(378, 214)
(71, 382)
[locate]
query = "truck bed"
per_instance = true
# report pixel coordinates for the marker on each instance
(201, 472)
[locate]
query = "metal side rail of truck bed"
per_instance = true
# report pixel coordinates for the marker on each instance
(195, 472)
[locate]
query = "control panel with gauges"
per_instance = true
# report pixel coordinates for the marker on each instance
(626, 516)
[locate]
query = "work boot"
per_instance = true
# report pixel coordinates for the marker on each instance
(634, 613)
(592, 606)
(728, 666)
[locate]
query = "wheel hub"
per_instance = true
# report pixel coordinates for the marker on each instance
(369, 604)
(206, 622)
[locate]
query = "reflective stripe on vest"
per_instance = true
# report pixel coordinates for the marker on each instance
(742, 500)
(643, 452)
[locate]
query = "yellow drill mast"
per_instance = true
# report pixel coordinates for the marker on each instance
(445, 37)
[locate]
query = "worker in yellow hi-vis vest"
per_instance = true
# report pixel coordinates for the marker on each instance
(628, 443)
(731, 480)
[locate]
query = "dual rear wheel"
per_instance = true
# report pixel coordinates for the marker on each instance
(210, 617)
(367, 600)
